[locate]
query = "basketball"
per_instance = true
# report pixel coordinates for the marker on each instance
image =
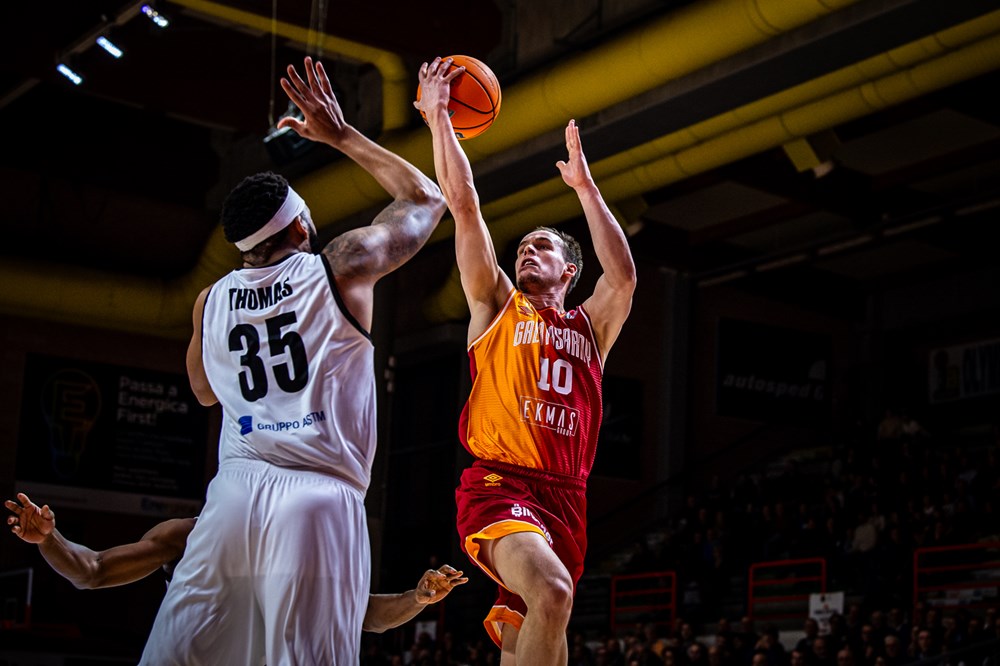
(475, 98)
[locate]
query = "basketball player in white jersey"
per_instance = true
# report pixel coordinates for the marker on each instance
(277, 568)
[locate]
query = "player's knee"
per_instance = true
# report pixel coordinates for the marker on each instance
(554, 598)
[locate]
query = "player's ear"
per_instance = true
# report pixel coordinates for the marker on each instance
(299, 228)
(570, 270)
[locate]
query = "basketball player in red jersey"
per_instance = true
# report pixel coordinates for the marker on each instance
(535, 408)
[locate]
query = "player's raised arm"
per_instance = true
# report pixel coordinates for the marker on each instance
(361, 256)
(486, 286)
(611, 301)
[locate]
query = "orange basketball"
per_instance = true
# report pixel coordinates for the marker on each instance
(475, 98)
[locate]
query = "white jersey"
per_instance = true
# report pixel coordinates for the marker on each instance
(293, 370)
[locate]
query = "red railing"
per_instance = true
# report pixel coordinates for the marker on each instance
(646, 597)
(783, 584)
(962, 576)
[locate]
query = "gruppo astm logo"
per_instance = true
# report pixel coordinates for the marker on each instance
(312, 418)
(492, 480)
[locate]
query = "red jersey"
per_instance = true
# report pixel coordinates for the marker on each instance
(536, 390)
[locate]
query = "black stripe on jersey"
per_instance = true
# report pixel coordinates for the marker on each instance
(340, 301)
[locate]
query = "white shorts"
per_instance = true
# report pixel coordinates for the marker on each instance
(277, 571)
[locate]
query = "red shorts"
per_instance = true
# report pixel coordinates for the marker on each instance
(496, 499)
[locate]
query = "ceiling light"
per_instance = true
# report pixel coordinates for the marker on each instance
(69, 74)
(155, 16)
(108, 46)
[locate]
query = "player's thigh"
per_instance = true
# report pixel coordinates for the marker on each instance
(525, 561)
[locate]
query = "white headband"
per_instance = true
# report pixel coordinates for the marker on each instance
(291, 209)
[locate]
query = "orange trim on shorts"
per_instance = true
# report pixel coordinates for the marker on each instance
(498, 616)
(495, 531)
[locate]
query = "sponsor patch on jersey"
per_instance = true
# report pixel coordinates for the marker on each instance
(246, 425)
(492, 480)
(560, 418)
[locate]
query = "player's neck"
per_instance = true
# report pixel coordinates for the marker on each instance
(544, 300)
(272, 258)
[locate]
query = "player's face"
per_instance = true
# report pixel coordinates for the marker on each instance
(540, 261)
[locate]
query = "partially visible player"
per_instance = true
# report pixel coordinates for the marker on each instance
(164, 544)
(534, 410)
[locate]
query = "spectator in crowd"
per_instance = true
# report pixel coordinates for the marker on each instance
(892, 652)
(810, 629)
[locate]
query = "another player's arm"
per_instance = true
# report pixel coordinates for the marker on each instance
(90, 569)
(361, 256)
(611, 301)
(195, 365)
(386, 611)
(486, 286)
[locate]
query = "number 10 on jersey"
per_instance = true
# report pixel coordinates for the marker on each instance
(561, 379)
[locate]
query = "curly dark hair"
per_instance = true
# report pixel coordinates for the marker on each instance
(252, 203)
(571, 252)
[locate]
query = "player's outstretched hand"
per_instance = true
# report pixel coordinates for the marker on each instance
(435, 584)
(30, 522)
(435, 84)
(575, 171)
(323, 119)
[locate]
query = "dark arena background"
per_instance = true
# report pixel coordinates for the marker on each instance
(801, 413)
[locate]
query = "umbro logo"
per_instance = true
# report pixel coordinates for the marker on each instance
(492, 480)
(526, 310)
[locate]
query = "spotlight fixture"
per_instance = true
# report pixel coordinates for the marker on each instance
(155, 16)
(109, 46)
(69, 74)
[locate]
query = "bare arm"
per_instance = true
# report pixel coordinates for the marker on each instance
(89, 569)
(361, 256)
(609, 305)
(386, 611)
(486, 286)
(195, 365)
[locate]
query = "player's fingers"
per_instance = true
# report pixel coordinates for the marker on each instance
(450, 76)
(292, 123)
(324, 79)
(439, 66)
(12, 520)
(296, 80)
(311, 74)
(293, 93)
(47, 512)
(23, 499)
(13, 506)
